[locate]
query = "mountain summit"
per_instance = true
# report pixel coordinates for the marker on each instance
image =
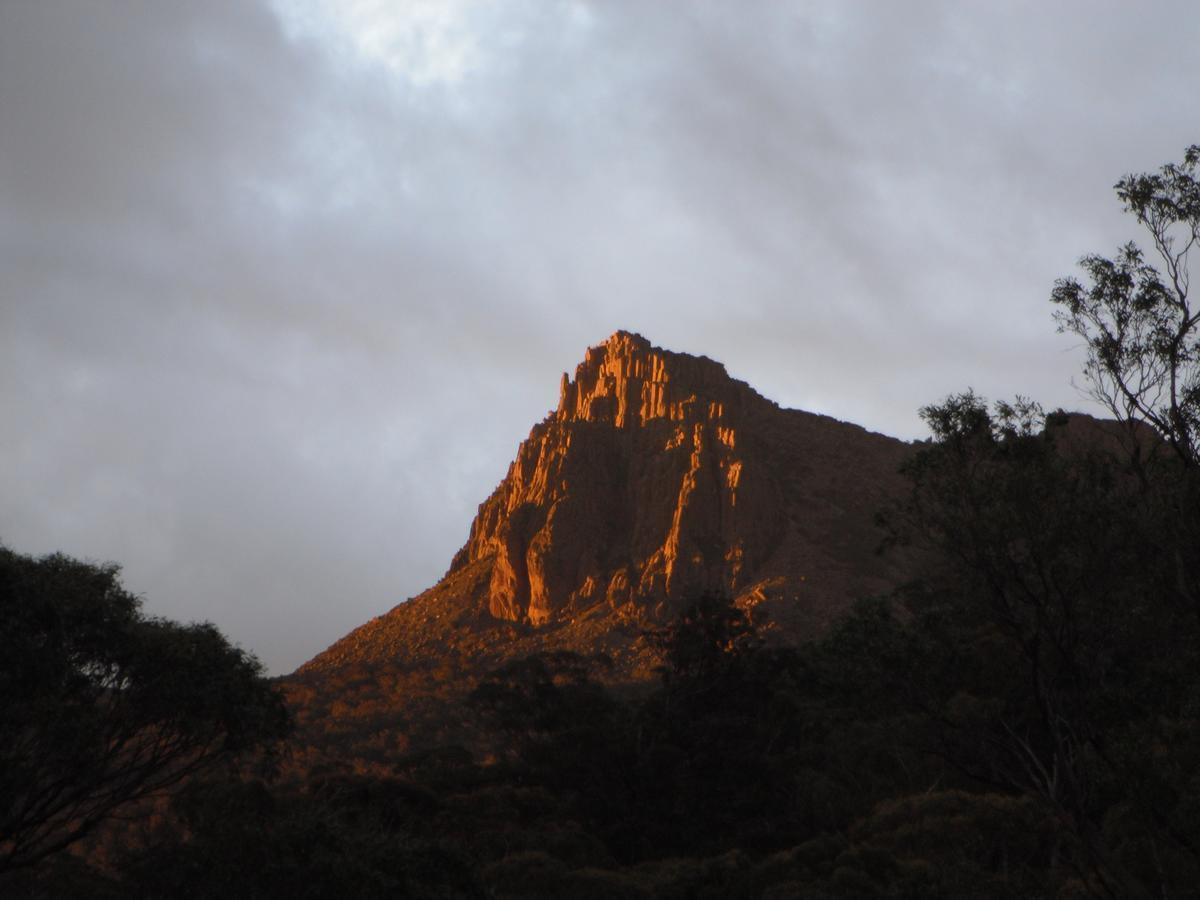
(657, 479)
(633, 492)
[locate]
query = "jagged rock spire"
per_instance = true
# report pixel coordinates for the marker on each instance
(657, 478)
(634, 491)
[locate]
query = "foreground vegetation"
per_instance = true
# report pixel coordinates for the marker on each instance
(1019, 721)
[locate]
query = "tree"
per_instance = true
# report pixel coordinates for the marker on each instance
(348, 836)
(1143, 337)
(1141, 328)
(1055, 656)
(101, 706)
(708, 633)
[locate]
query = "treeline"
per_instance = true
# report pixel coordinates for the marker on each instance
(1018, 721)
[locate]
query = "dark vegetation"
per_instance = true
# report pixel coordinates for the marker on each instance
(102, 707)
(1022, 719)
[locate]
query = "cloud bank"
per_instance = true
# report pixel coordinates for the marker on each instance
(283, 285)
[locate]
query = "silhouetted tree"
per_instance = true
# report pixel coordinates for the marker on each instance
(101, 705)
(565, 732)
(708, 634)
(1062, 659)
(726, 744)
(336, 837)
(1142, 329)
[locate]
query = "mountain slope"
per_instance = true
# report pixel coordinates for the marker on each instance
(658, 478)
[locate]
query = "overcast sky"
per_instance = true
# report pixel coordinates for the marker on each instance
(283, 285)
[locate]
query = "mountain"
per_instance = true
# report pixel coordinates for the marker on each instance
(657, 479)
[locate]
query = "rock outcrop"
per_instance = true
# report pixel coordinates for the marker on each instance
(636, 490)
(659, 478)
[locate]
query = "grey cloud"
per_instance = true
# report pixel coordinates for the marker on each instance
(273, 320)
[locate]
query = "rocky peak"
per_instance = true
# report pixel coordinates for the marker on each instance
(656, 479)
(626, 382)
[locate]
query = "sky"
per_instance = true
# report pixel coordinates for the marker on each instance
(283, 285)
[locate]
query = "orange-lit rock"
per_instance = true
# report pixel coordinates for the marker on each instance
(637, 482)
(659, 478)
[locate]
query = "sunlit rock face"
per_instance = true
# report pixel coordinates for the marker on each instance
(654, 481)
(657, 478)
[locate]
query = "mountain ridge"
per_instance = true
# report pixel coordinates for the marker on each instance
(658, 477)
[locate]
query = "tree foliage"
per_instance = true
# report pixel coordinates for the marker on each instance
(332, 837)
(707, 635)
(1141, 327)
(101, 705)
(1065, 651)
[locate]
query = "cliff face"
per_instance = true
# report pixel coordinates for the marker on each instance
(636, 490)
(657, 478)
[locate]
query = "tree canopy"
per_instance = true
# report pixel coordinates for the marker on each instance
(1049, 608)
(101, 705)
(1141, 327)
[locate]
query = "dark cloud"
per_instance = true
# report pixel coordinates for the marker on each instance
(274, 316)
